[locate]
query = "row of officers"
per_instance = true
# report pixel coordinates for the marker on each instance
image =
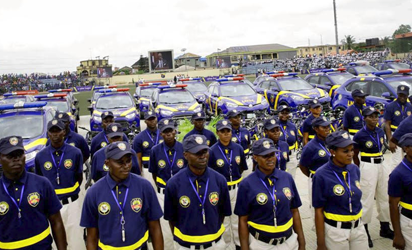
(198, 207)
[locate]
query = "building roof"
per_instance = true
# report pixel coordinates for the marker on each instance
(249, 49)
(404, 36)
(187, 55)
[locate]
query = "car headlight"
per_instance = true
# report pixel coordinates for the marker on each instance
(231, 105)
(297, 98)
(166, 112)
(264, 102)
(130, 116)
(198, 109)
(97, 119)
(145, 102)
(31, 155)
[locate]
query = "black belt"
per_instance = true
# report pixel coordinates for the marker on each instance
(407, 213)
(161, 190)
(344, 225)
(376, 160)
(207, 245)
(73, 198)
(145, 165)
(268, 240)
(233, 186)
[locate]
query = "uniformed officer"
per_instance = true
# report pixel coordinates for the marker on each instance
(145, 141)
(395, 113)
(352, 118)
(166, 160)
(400, 195)
(198, 120)
(240, 135)
(336, 198)
(374, 174)
(121, 210)
(228, 159)
(289, 134)
(28, 203)
(100, 140)
(197, 200)
(71, 137)
(403, 128)
(272, 130)
(99, 168)
(62, 164)
(315, 109)
(267, 205)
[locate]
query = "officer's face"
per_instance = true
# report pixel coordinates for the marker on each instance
(107, 121)
(402, 98)
(360, 100)
(372, 120)
(199, 124)
(408, 151)
(266, 162)
(344, 155)
(168, 135)
(13, 163)
(151, 123)
(119, 169)
(273, 133)
(316, 111)
(56, 135)
(115, 138)
(225, 135)
(284, 115)
(198, 160)
(322, 131)
(235, 120)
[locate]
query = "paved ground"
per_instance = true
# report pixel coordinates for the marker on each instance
(301, 182)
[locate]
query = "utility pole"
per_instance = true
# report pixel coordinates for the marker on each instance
(336, 27)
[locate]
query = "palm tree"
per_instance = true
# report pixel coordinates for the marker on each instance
(349, 41)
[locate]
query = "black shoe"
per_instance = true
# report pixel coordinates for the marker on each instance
(386, 231)
(370, 243)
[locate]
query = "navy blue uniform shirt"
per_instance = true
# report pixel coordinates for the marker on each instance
(101, 141)
(314, 155)
(282, 156)
(307, 126)
(182, 205)
(66, 163)
(254, 199)
(210, 136)
(288, 134)
(400, 183)
(353, 119)
(403, 128)
(144, 142)
(38, 201)
(77, 141)
(330, 190)
(166, 162)
(396, 113)
(242, 137)
(99, 169)
(369, 143)
(228, 161)
(139, 203)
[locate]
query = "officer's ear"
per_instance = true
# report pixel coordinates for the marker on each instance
(106, 162)
(185, 155)
(255, 157)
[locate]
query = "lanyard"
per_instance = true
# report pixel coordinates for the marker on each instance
(377, 137)
(105, 138)
(402, 110)
(239, 138)
(273, 196)
(278, 158)
(200, 200)
(284, 132)
(122, 221)
(344, 186)
(57, 166)
(229, 161)
(150, 137)
(14, 201)
(360, 114)
(406, 166)
(168, 160)
(327, 151)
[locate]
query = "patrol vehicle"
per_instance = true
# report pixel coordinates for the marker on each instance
(18, 96)
(142, 94)
(174, 101)
(28, 120)
(122, 104)
(60, 102)
(329, 79)
(96, 94)
(360, 68)
(393, 64)
(290, 90)
(197, 88)
(72, 99)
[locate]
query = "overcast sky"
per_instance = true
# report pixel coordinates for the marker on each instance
(54, 36)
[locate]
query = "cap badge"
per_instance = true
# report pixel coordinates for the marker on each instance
(345, 136)
(361, 91)
(121, 146)
(324, 118)
(106, 113)
(199, 140)
(234, 111)
(54, 122)
(272, 121)
(266, 144)
(114, 128)
(402, 88)
(60, 115)
(199, 114)
(13, 141)
(224, 123)
(166, 122)
(150, 113)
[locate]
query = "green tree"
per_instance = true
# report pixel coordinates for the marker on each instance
(401, 45)
(386, 41)
(349, 41)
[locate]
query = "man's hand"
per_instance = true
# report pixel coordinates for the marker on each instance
(398, 242)
(392, 147)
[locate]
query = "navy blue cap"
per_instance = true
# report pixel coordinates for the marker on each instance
(114, 129)
(320, 121)
(315, 103)
(11, 143)
(149, 114)
(117, 150)
(195, 143)
(106, 114)
(368, 111)
(232, 113)
(270, 123)
(165, 124)
(283, 107)
(339, 139)
(406, 140)
(358, 93)
(263, 146)
(199, 116)
(55, 123)
(221, 124)
(403, 89)
(63, 116)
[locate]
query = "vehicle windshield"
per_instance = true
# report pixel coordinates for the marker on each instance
(11, 100)
(147, 92)
(176, 97)
(114, 102)
(400, 66)
(294, 84)
(365, 69)
(26, 126)
(341, 78)
(236, 89)
(398, 82)
(96, 95)
(60, 106)
(196, 87)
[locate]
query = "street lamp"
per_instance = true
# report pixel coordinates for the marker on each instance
(336, 28)
(183, 56)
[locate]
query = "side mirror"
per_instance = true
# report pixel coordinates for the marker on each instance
(275, 90)
(328, 84)
(76, 102)
(89, 100)
(387, 95)
(90, 108)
